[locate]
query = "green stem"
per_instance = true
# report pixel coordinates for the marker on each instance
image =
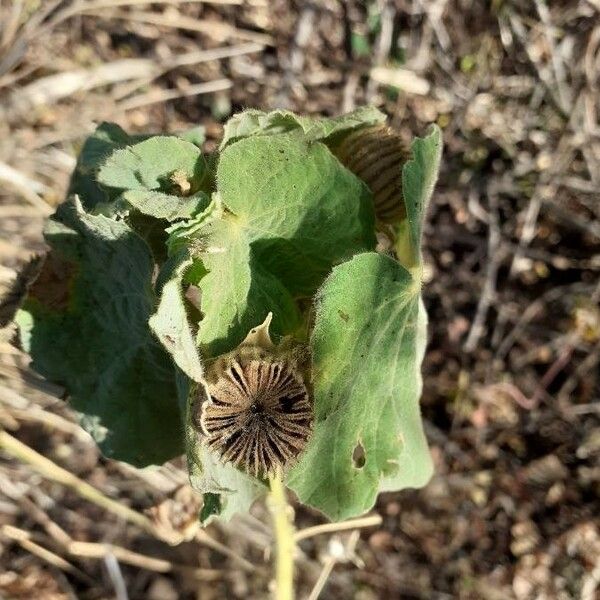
(285, 546)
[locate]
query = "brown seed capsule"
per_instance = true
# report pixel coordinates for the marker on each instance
(255, 411)
(376, 155)
(258, 415)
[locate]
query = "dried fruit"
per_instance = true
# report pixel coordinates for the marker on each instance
(375, 154)
(258, 415)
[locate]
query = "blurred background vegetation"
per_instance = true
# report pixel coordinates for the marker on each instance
(513, 254)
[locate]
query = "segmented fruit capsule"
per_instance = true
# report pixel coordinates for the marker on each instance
(258, 415)
(376, 155)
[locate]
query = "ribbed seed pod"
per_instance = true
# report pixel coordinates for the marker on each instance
(258, 415)
(376, 155)
(255, 410)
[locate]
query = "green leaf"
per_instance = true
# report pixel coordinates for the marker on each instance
(292, 211)
(88, 330)
(195, 135)
(237, 292)
(96, 149)
(299, 208)
(368, 343)
(256, 122)
(166, 206)
(170, 321)
(418, 180)
(151, 164)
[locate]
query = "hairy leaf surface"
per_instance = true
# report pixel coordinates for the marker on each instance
(166, 206)
(237, 291)
(367, 344)
(418, 179)
(256, 122)
(299, 208)
(149, 165)
(87, 328)
(170, 321)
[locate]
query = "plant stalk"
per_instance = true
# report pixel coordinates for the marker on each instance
(285, 545)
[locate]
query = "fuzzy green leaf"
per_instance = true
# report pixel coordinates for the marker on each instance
(300, 209)
(170, 321)
(87, 329)
(166, 206)
(418, 180)
(150, 165)
(237, 291)
(256, 122)
(107, 138)
(368, 343)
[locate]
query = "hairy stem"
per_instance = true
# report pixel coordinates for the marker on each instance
(285, 546)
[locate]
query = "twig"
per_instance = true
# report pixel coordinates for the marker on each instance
(50, 470)
(204, 538)
(23, 538)
(330, 562)
(50, 89)
(216, 29)
(346, 554)
(586, 366)
(187, 59)
(135, 559)
(101, 551)
(362, 522)
(533, 310)
(28, 188)
(557, 65)
(53, 472)
(489, 288)
(116, 577)
(84, 6)
(555, 368)
(163, 95)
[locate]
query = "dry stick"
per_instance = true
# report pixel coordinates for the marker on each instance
(282, 514)
(116, 577)
(101, 551)
(489, 288)
(204, 538)
(586, 366)
(187, 59)
(330, 563)
(23, 538)
(79, 8)
(11, 25)
(26, 187)
(52, 471)
(323, 577)
(208, 87)
(557, 64)
(368, 521)
(532, 311)
(215, 29)
(135, 559)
